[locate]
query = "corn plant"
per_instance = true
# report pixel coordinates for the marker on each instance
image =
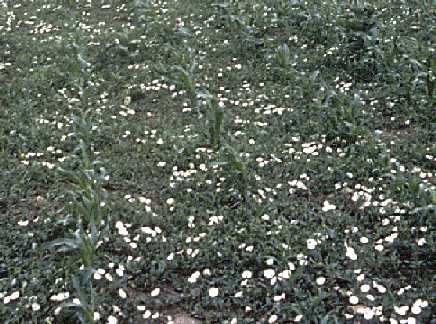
(238, 169)
(215, 121)
(91, 213)
(430, 79)
(86, 245)
(283, 62)
(89, 198)
(283, 56)
(184, 74)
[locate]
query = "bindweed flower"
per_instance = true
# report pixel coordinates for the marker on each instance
(247, 274)
(155, 292)
(112, 320)
(354, 300)
(364, 288)
(269, 273)
(194, 277)
(350, 253)
(122, 293)
(213, 292)
(311, 244)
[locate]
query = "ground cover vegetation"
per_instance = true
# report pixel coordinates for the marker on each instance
(251, 161)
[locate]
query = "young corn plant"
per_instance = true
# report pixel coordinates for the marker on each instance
(240, 168)
(215, 122)
(282, 60)
(239, 174)
(430, 78)
(86, 245)
(227, 154)
(184, 74)
(90, 213)
(283, 56)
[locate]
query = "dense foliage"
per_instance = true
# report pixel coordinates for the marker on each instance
(222, 161)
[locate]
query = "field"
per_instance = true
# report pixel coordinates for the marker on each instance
(217, 161)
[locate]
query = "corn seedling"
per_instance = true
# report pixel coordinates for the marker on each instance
(283, 56)
(238, 169)
(215, 121)
(91, 214)
(184, 74)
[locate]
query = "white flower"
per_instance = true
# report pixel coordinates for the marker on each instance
(298, 318)
(364, 288)
(309, 150)
(269, 273)
(144, 200)
(96, 316)
(122, 293)
(170, 201)
(350, 253)
(311, 244)
(15, 295)
(112, 320)
(273, 319)
(36, 307)
(147, 314)
(155, 292)
(327, 206)
(60, 296)
(368, 313)
(320, 281)
(270, 261)
(247, 274)
(416, 309)
(401, 310)
(279, 297)
(421, 241)
(411, 320)
(380, 288)
(378, 310)
(23, 223)
(354, 300)
(213, 292)
(194, 277)
(120, 272)
(285, 274)
(379, 247)
(364, 240)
